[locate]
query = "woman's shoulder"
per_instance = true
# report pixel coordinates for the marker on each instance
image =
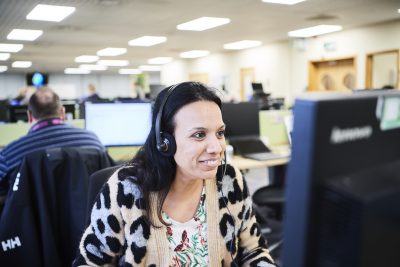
(124, 182)
(231, 177)
(228, 171)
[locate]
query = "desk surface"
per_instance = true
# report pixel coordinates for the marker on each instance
(244, 163)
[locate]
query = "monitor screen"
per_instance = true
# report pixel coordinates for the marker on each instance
(70, 107)
(155, 89)
(257, 87)
(18, 113)
(37, 79)
(241, 119)
(343, 182)
(119, 124)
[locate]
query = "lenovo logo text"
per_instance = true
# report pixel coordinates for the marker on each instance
(339, 136)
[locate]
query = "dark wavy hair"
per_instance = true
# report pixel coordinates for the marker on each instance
(155, 172)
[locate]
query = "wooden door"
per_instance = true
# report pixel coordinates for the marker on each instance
(247, 76)
(332, 75)
(199, 77)
(383, 69)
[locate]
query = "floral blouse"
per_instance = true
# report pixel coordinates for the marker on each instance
(188, 240)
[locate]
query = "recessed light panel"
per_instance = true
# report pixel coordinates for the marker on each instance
(50, 12)
(202, 24)
(129, 71)
(92, 67)
(159, 60)
(283, 2)
(194, 54)
(147, 41)
(24, 35)
(11, 47)
(111, 51)
(3, 68)
(314, 31)
(113, 63)
(21, 64)
(242, 45)
(4, 56)
(86, 59)
(76, 71)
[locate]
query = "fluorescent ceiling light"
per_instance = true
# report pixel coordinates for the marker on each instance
(113, 63)
(76, 71)
(149, 68)
(314, 31)
(398, 10)
(242, 45)
(86, 59)
(111, 51)
(92, 67)
(21, 64)
(24, 35)
(3, 68)
(129, 71)
(159, 60)
(203, 23)
(283, 2)
(10, 47)
(194, 54)
(147, 41)
(50, 12)
(4, 56)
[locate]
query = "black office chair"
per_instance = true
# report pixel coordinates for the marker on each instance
(45, 213)
(96, 182)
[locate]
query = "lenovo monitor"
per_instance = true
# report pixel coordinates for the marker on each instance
(343, 182)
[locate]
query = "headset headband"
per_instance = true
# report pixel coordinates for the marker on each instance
(159, 115)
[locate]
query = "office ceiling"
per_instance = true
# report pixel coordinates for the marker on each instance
(97, 24)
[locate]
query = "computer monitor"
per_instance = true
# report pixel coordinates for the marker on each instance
(343, 182)
(70, 107)
(155, 89)
(257, 88)
(241, 119)
(37, 79)
(119, 124)
(18, 113)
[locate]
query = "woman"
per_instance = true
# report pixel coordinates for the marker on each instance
(176, 203)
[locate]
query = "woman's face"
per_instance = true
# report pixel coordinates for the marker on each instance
(200, 140)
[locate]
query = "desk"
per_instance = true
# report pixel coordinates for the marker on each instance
(244, 163)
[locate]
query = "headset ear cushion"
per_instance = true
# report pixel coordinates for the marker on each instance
(171, 145)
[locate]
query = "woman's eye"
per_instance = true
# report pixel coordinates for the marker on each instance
(221, 133)
(199, 135)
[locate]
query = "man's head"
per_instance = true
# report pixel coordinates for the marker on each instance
(43, 104)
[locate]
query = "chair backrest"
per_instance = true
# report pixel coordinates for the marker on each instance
(96, 182)
(45, 210)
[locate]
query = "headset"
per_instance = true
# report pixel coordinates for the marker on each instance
(165, 142)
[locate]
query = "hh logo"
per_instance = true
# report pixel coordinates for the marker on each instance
(11, 243)
(16, 183)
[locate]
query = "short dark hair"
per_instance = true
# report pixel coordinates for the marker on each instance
(153, 171)
(44, 103)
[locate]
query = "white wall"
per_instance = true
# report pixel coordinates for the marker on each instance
(282, 67)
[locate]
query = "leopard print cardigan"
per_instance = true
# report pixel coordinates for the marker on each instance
(118, 234)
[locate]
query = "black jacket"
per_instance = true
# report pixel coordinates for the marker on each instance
(44, 215)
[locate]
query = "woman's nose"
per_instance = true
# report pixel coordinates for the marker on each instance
(215, 145)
